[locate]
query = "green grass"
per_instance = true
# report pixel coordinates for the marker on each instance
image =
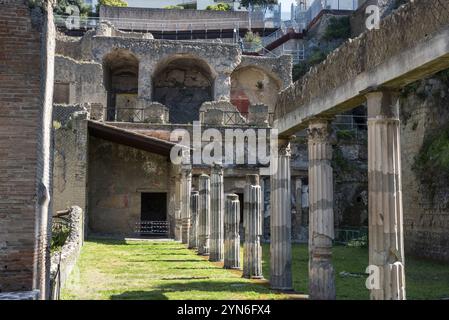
(110, 269)
(155, 270)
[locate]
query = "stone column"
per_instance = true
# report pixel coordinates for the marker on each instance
(298, 196)
(145, 86)
(186, 190)
(204, 215)
(386, 242)
(321, 212)
(216, 214)
(252, 224)
(178, 208)
(193, 243)
(280, 220)
(232, 236)
(222, 87)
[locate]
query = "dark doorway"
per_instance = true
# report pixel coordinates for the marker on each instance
(153, 207)
(153, 215)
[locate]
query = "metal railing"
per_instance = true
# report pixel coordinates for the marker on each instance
(305, 17)
(158, 228)
(87, 23)
(236, 118)
(351, 127)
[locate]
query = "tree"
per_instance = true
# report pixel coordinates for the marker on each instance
(111, 3)
(62, 7)
(258, 3)
(219, 7)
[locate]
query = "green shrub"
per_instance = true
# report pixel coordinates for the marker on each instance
(345, 134)
(338, 28)
(219, 7)
(433, 158)
(174, 7)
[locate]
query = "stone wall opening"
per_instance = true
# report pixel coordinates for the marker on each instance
(183, 84)
(121, 74)
(251, 85)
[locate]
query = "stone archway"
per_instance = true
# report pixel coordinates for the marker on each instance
(182, 84)
(121, 74)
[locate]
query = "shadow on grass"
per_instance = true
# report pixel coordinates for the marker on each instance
(205, 286)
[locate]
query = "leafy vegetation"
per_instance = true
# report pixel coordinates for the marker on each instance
(433, 157)
(62, 7)
(258, 3)
(171, 7)
(219, 7)
(116, 269)
(300, 69)
(338, 28)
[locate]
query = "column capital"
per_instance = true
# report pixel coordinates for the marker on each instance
(382, 103)
(284, 146)
(319, 130)
(217, 168)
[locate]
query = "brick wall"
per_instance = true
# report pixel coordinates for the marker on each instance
(25, 100)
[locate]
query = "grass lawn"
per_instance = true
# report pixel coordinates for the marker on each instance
(115, 269)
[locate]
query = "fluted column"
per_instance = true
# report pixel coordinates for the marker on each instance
(386, 242)
(193, 243)
(232, 236)
(280, 220)
(178, 208)
(252, 224)
(321, 220)
(186, 190)
(204, 215)
(216, 214)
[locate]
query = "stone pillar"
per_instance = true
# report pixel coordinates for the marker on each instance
(298, 196)
(280, 220)
(252, 224)
(178, 207)
(193, 219)
(216, 214)
(386, 242)
(145, 85)
(204, 215)
(321, 212)
(232, 235)
(185, 213)
(222, 87)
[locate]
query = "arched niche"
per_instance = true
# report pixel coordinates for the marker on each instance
(182, 83)
(252, 85)
(121, 74)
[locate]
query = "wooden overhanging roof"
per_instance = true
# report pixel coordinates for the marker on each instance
(129, 138)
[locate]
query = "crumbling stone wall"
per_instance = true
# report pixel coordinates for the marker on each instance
(70, 157)
(117, 176)
(26, 82)
(424, 118)
(83, 79)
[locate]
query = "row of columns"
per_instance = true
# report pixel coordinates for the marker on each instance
(211, 223)
(216, 225)
(386, 244)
